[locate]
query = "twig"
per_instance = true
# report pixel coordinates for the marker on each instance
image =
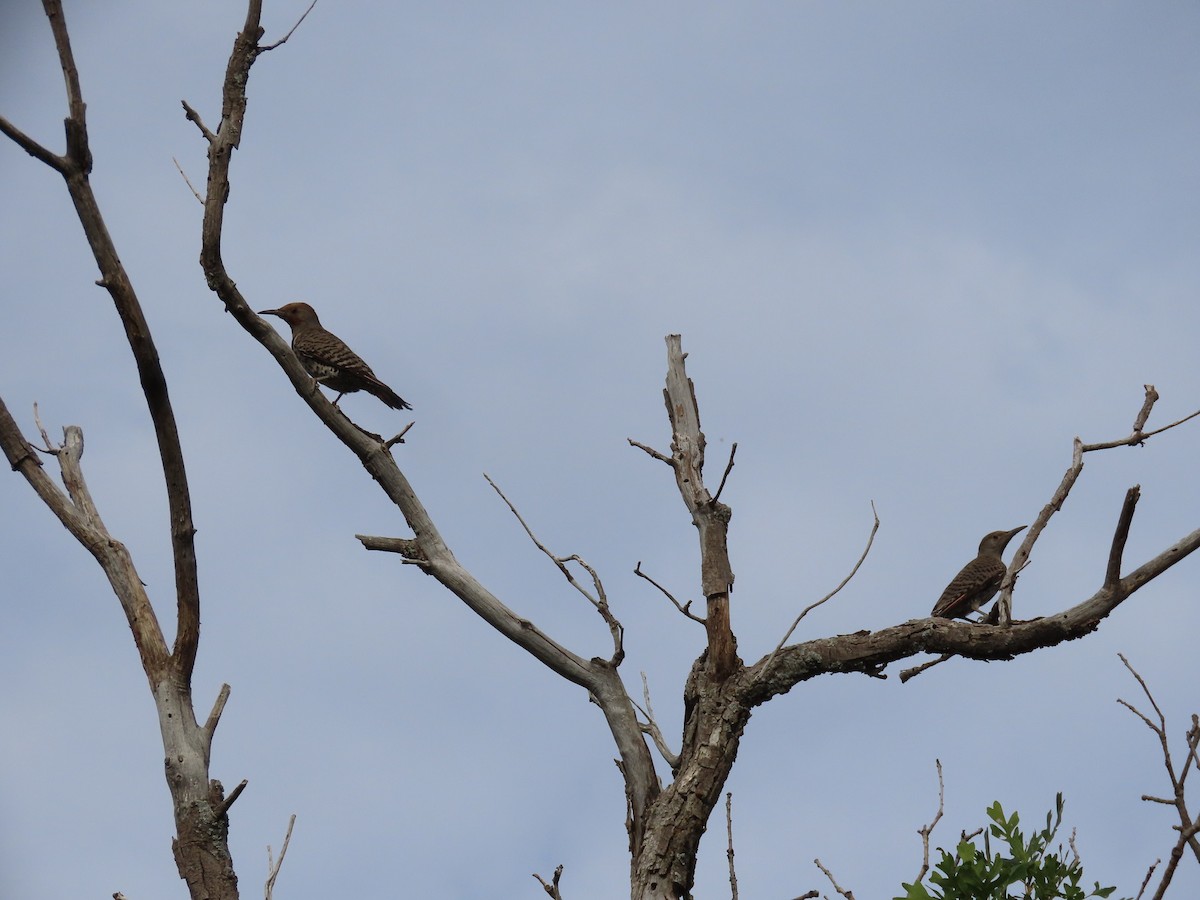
(728, 469)
(192, 116)
(1138, 437)
(1144, 413)
(1188, 826)
(733, 889)
(399, 439)
(187, 181)
(849, 895)
(926, 830)
(406, 547)
(552, 887)
(1003, 608)
(223, 806)
(766, 668)
(51, 447)
(1120, 536)
(651, 728)
(651, 451)
(917, 670)
(214, 717)
(273, 866)
(685, 608)
(599, 600)
(283, 40)
(1146, 880)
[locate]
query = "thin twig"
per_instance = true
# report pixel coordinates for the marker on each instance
(917, 670)
(1146, 880)
(728, 469)
(849, 895)
(766, 668)
(283, 40)
(599, 600)
(651, 451)
(651, 728)
(1188, 826)
(926, 830)
(188, 182)
(685, 608)
(733, 889)
(399, 439)
(51, 448)
(273, 866)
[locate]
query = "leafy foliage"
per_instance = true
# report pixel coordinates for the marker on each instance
(1028, 866)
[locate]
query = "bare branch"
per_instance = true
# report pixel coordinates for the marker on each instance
(725, 475)
(599, 600)
(651, 728)
(1146, 880)
(733, 888)
(917, 670)
(1139, 437)
(399, 438)
(406, 547)
(224, 805)
(32, 147)
(1139, 421)
(926, 830)
(1003, 608)
(552, 887)
(685, 608)
(710, 516)
(650, 451)
(849, 895)
(210, 726)
(192, 116)
(76, 165)
(1113, 574)
(766, 666)
(284, 39)
(273, 866)
(869, 651)
(187, 181)
(1188, 826)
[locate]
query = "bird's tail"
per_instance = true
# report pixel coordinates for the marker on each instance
(386, 394)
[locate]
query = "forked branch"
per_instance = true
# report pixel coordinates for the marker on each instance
(599, 599)
(1002, 614)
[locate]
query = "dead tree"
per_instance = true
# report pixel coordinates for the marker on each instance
(201, 844)
(665, 822)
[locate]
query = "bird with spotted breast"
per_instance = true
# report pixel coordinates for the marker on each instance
(326, 357)
(979, 579)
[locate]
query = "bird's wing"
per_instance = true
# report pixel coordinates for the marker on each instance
(970, 583)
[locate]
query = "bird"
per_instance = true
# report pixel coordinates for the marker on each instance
(979, 579)
(326, 357)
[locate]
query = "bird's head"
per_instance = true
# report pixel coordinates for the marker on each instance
(295, 314)
(998, 540)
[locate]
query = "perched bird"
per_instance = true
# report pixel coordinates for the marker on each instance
(326, 357)
(979, 579)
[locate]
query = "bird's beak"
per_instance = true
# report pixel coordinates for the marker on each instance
(1016, 530)
(268, 312)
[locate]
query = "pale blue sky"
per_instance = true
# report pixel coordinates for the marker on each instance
(913, 250)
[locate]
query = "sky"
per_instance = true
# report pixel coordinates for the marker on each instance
(913, 249)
